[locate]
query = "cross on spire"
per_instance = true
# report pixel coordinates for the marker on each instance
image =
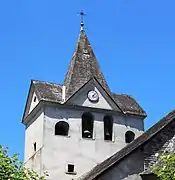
(82, 14)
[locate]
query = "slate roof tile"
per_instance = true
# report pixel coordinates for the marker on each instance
(128, 104)
(83, 67)
(53, 92)
(48, 91)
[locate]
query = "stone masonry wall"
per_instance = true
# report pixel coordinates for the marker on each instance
(161, 142)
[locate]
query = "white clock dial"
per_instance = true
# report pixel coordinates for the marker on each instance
(93, 96)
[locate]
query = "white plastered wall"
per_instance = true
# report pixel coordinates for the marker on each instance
(58, 151)
(33, 134)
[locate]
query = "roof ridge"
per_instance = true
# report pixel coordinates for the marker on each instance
(74, 53)
(47, 82)
(124, 94)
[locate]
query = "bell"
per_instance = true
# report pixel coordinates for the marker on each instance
(87, 133)
(107, 136)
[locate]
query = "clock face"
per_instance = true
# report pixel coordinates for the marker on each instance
(93, 96)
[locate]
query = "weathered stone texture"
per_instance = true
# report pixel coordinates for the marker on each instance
(161, 142)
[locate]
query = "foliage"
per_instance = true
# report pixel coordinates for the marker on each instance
(165, 168)
(12, 169)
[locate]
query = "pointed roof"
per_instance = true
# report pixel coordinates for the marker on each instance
(83, 66)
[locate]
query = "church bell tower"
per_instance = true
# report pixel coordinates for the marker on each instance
(71, 127)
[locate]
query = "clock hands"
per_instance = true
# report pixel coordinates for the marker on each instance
(93, 96)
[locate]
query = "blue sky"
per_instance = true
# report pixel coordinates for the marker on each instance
(134, 42)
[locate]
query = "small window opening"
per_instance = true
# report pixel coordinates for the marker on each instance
(62, 128)
(108, 127)
(87, 125)
(70, 168)
(34, 99)
(129, 136)
(34, 147)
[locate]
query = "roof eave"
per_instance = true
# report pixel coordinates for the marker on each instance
(64, 105)
(143, 114)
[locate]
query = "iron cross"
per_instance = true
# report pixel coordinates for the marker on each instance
(82, 14)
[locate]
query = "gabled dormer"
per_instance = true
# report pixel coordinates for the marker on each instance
(32, 100)
(92, 94)
(40, 90)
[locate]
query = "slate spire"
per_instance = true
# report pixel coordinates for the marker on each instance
(83, 66)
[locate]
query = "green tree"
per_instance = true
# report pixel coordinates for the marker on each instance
(12, 169)
(165, 167)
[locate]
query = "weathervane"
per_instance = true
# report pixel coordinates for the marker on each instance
(82, 14)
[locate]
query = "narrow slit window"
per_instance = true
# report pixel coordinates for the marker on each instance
(108, 127)
(129, 136)
(34, 99)
(62, 128)
(34, 147)
(87, 125)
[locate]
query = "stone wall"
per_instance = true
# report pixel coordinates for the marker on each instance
(161, 142)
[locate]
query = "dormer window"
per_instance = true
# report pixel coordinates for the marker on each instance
(62, 128)
(87, 125)
(129, 136)
(108, 127)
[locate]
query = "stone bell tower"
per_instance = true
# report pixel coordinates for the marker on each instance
(71, 127)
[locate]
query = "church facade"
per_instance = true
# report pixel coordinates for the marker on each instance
(80, 129)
